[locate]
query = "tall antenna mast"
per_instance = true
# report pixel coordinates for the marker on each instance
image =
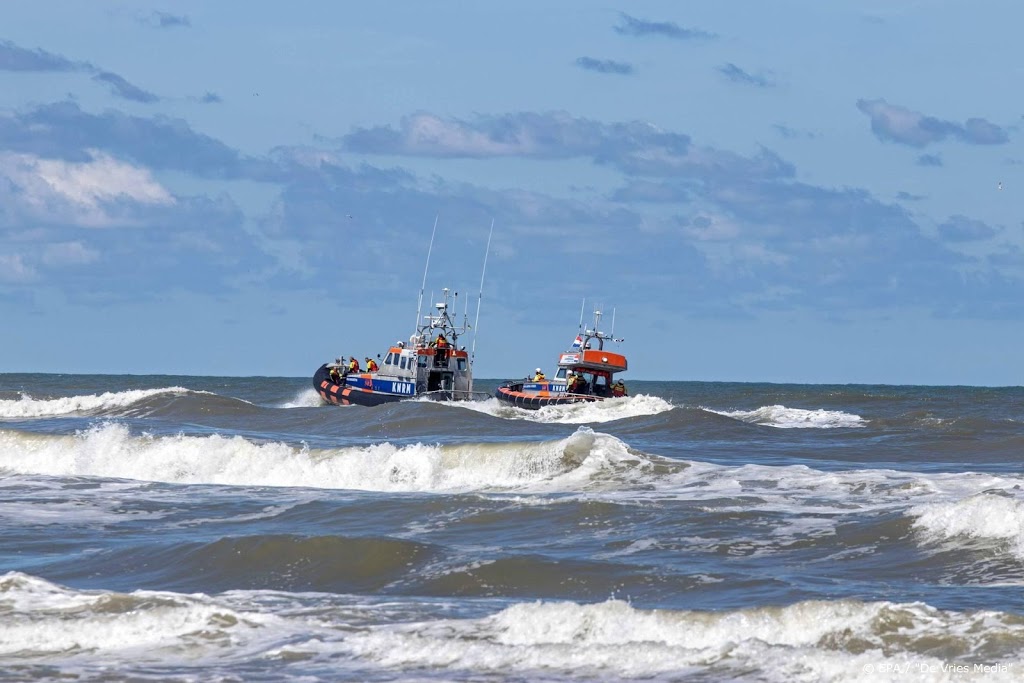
(419, 304)
(476, 323)
(582, 306)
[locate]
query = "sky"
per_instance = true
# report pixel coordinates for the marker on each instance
(757, 192)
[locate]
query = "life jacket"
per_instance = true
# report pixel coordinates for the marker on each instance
(372, 366)
(618, 389)
(538, 377)
(441, 342)
(353, 365)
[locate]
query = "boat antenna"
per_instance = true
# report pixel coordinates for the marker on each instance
(613, 322)
(480, 297)
(582, 306)
(419, 304)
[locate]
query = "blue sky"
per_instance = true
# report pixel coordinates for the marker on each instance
(786, 192)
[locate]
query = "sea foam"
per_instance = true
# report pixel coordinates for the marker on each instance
(42, 619)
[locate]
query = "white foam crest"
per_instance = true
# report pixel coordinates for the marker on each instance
(993, 516)
(812, 640)
(43, 619)
(574, 413)
(110, 450)
(27, 406)
(306, 398)
(793, 418)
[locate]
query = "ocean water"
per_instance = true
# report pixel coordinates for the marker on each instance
(235, 529)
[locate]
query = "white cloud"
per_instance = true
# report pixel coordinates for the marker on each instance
(427, 132)
(14, 269)
(68, 253)
(79, 192)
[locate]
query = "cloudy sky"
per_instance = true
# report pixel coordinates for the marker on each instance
(785, 191)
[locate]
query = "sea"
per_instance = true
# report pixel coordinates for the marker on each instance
(176, 528)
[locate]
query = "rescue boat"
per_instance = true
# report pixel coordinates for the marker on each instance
(431, 365)
(586, 372)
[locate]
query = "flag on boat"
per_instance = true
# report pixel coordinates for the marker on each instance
(578, 342)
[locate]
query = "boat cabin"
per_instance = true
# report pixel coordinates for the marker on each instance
(431, 362)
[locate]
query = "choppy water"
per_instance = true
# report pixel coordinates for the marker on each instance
(204, 528)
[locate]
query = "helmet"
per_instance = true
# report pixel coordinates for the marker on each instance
(537, 370)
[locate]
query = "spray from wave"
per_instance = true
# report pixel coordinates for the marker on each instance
(306, 398)
(575, 413)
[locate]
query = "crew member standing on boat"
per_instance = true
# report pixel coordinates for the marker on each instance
(619, 389)
(371, 365)
(538, 375)
(335, 374)
(353, 364)
(441, 344)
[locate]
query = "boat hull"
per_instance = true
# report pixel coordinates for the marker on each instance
(512, 393)
(347, 394)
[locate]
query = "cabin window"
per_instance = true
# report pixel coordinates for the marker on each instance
(387, 359)
(560, 374)
(462, 364)
(403, 363)
(422, 361)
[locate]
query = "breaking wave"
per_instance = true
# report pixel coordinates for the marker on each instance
(27, 407)
(989, 515)
(838, 640)
(793, 418)
(111, 450)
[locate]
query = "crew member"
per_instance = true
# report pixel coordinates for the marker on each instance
(619, 389)
(335, 375)
(371, 365)
(441, 343)
(572, 383)
(538, 375)
(353, 364)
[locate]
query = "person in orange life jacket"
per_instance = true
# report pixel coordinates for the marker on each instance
(538, 375)
(441, 344)
(371, 365)
(619, 389)
(353, 364)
